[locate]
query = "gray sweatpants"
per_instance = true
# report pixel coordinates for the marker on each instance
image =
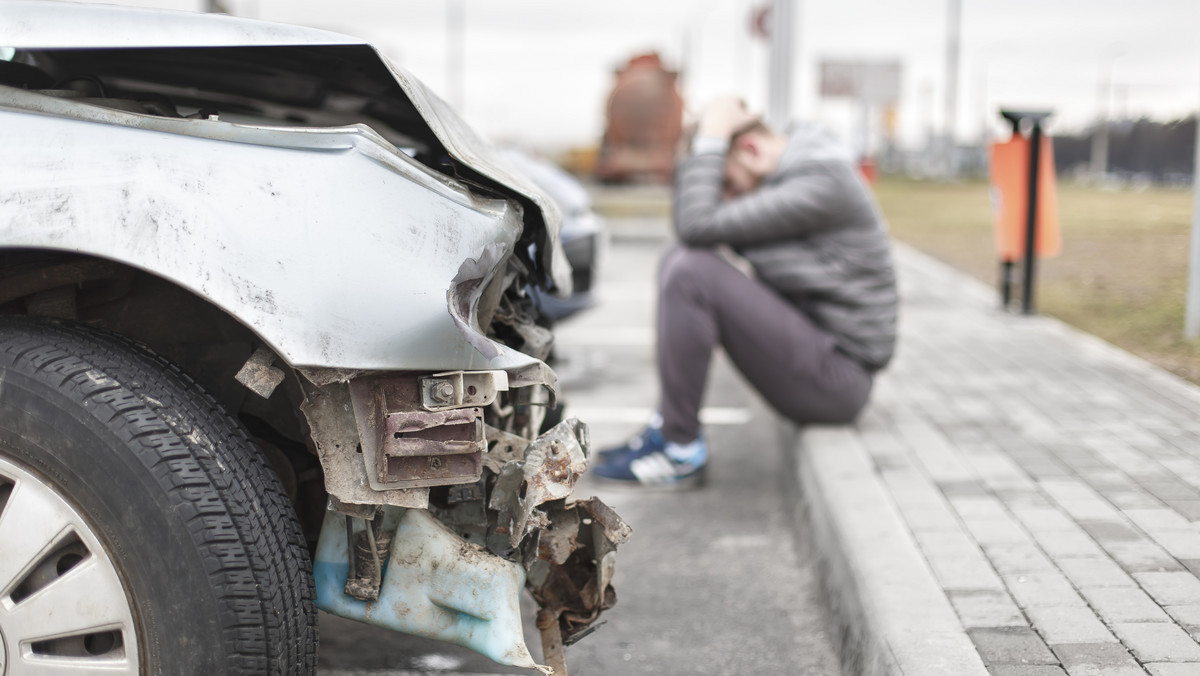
(704, 302)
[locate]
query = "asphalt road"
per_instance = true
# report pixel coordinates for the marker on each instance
(712, 582)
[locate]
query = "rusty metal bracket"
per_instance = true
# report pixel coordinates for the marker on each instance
(503, 448)
(443, 447)
(458, 389)
(334, 434)
(369, 548)
(406, 446)
(572, 577)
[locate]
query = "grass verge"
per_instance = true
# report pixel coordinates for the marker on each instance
(1122, 274)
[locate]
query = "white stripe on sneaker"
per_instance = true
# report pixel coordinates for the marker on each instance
(709, 415)
(655, 468)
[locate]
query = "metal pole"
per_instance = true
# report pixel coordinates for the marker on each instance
(1191, 322)
(1035, 152)
(685, 64)
(1006, 270)
(1099, 159)
(779, 90)
(741, 53)
(454, 54)
(864, 121)
(953, 23)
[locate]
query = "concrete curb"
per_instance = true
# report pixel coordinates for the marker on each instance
(890, 614)
(638, 229)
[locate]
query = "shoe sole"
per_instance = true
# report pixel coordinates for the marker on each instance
(691, 483)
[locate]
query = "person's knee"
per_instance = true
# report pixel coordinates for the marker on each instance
(685, 269)
(833, 406)
(825, 413)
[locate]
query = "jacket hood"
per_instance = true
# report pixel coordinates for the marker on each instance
(808, 142)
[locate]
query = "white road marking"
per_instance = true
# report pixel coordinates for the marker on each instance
(709, 415)
(435, 662)
(397, 672)
(744, 541)
(606, 337)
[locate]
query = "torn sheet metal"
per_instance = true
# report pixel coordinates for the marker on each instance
(323, 376)
(572, 577)
(551, 466)
(537, 373)
(465, 290)
(569, 549)
(503, 447)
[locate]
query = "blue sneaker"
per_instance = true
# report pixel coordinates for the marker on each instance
(650, 460)
(650, 437)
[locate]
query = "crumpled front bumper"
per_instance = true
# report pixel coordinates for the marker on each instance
(454, 571)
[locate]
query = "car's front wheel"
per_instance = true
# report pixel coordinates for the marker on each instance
(141, 532)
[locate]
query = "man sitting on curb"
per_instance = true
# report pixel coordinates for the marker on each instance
(812, 326)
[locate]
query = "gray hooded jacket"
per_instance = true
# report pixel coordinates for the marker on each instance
(812, 232)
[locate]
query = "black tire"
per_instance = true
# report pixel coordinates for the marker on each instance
(207, 546)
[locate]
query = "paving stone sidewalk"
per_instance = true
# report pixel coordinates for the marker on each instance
(1020, 498)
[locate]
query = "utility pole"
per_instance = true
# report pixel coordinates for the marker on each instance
(953, 27)
(1100, 139)
(1191, 322)
(1099, 161)
(981, 94)
(779, 88)
(455, 20)
(741, 51)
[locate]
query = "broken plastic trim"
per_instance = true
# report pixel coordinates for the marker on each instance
(434, 584)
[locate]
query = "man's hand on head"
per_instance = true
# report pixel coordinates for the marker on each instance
(724, 117)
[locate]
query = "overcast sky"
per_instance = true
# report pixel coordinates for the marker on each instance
(538, 71)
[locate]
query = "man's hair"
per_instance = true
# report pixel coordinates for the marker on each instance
(689, 135)
(755, 127)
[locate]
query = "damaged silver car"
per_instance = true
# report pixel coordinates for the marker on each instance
(267, 345)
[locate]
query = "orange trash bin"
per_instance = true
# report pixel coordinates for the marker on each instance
(1009, 169)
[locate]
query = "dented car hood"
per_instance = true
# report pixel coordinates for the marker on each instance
(45, 24)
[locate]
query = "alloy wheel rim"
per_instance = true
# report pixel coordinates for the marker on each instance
(62, 601)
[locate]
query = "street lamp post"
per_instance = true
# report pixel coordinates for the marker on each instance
(779, 91)
(455, 20)
(949, 166)
(1191, 322)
